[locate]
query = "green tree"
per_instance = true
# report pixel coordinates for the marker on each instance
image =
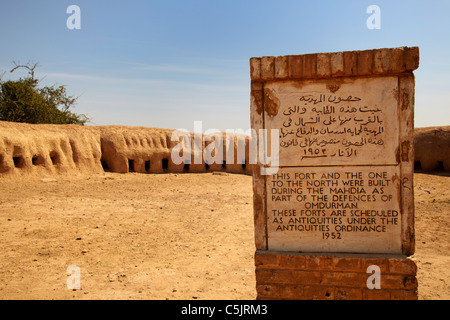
(24, 101)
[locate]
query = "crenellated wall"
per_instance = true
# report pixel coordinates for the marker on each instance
(48, 149)
(432, 148)
(61, 149)
(27, 149)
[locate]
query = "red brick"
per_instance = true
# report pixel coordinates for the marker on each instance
(295, 66)
(319, 293)
(402, 266)
(404, 295)
(348, 293)
(365, 62)
(411, 57)
(293, 262)
(267, 68)
(274, 291)
(397, 61)
(303, 262)
(287, 276)
(320, 262)
(350, 63)
(265, 291)
(390, 281)
(337, 64)
(323, 65)
(309, 65)
(375, 294)
(344, 279)
(255, 68)
(282, 67)
(346, 264)
(381, 61)
(382, 263)
(389, 61)
(265, 259)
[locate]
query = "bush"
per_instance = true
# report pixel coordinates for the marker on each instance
(23, 101)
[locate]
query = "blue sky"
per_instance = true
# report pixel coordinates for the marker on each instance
(169, 63)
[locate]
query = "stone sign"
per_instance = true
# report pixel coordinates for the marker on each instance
(339, 204)
(345, 124)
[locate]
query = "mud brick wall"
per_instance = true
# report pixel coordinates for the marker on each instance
(432, 148)
(42, 149)
(332, 277)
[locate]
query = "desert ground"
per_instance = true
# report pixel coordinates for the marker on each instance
(164, 236)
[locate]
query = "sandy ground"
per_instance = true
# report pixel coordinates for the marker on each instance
(168, 236)
(432, 220)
